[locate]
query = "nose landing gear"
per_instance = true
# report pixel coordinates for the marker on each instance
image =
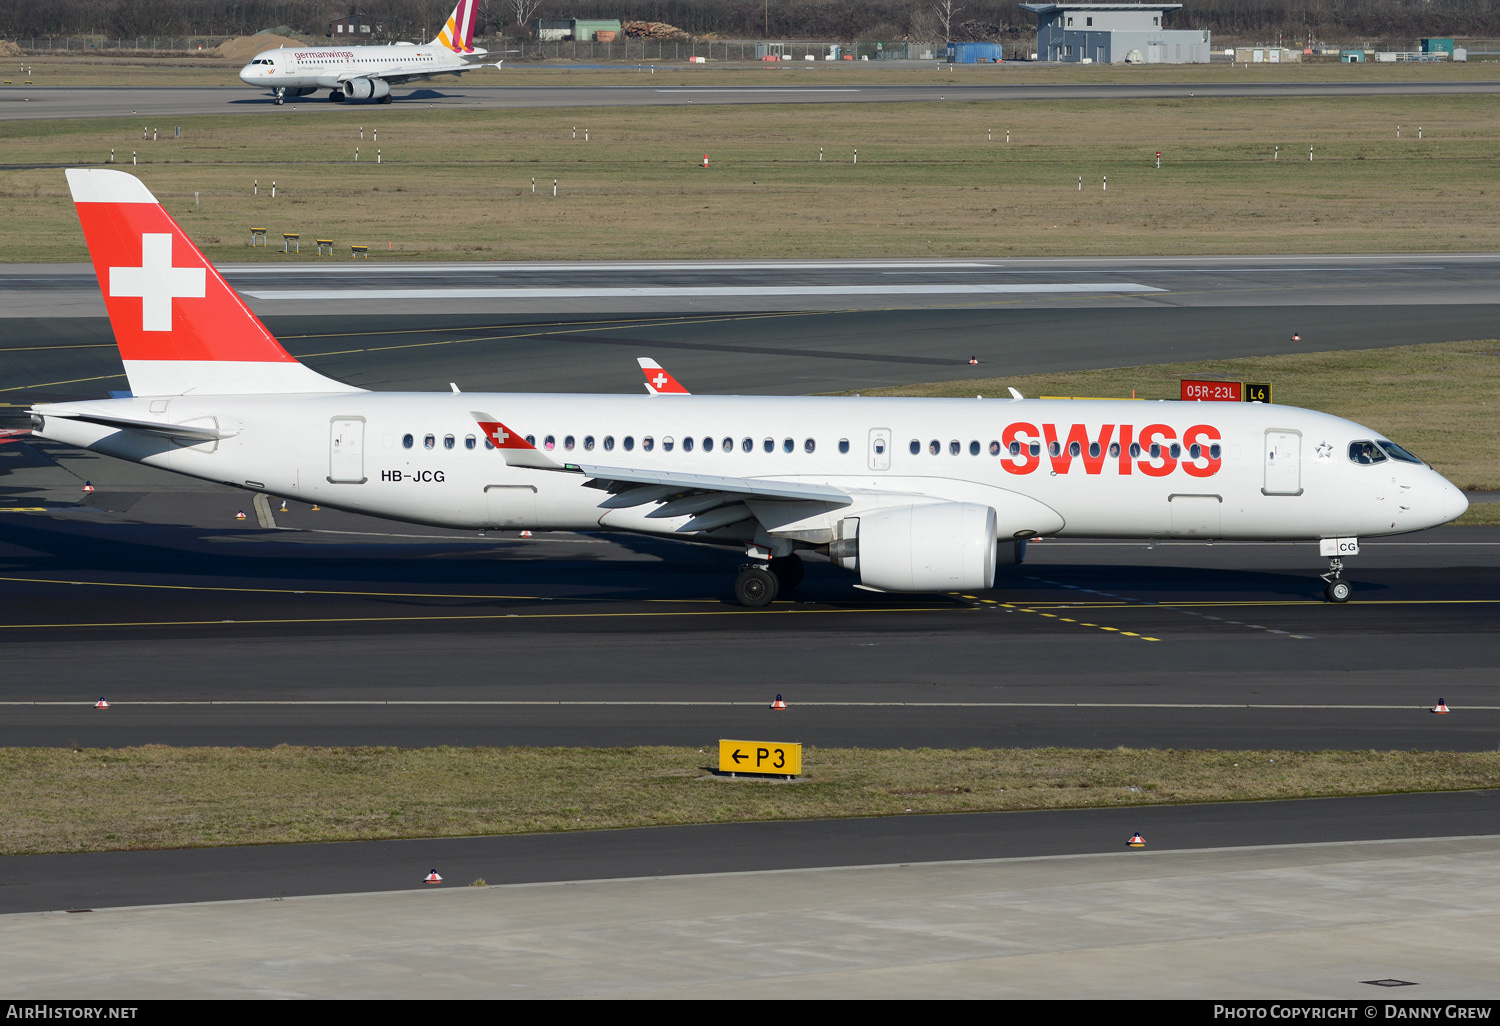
(280, 96)
(1336, 589)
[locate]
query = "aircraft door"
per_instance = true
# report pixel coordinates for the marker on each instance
(1283, 463)
(346, 450)
(880, 448)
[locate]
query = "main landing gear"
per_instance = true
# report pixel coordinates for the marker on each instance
(1336, 589)
(759, 584)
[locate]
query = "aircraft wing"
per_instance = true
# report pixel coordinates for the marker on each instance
(400, 76)
(645, 486)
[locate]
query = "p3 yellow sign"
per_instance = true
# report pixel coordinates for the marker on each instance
(776, 758)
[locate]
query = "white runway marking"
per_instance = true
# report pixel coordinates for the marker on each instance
(953, 289)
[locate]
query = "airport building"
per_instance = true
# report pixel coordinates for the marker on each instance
(1115, 34)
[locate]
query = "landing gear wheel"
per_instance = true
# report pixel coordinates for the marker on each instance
(280, 97)
(756, 587)
(386, 98)
(788, 571)
(337, 96)
(1337, 589)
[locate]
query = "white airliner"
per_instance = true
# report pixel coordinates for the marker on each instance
(912, 495)
(368, 72)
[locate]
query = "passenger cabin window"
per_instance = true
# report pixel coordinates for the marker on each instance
(629, 442)
(747, 444)
(727, 444)
(568, 443)
(808, 445)
(667, 443)
(406, 441)
(468, 441)
(1365, 452)
(429, 441)
(588, 443)
(769, 445)
(787, 445)
(609, 443)
(549, 443)
(916, 446)
(687, 444)
(648, 443)
(447, 441)
(934, 447)
(843, 445)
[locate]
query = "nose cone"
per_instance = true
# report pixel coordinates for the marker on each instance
(247, 74)
(1452, 503)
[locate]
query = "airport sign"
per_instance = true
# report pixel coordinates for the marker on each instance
(775, 758)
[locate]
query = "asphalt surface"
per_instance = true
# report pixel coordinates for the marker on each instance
(113, 879)
(51, 102)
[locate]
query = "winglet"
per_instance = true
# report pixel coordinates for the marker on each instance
(658, 381)
(516, 450)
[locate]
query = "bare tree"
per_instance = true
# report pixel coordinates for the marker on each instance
(945, 12)
(522, 10)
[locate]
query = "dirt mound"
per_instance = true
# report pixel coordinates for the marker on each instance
(245, 47)
(9, 49)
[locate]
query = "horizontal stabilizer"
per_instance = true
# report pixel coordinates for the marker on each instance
(197, 432)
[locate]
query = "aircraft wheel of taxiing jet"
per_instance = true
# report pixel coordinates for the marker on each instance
(337, 96)
(386, 98)
(788, 571)
(280, 97)
(1336, 590)
(756, 586)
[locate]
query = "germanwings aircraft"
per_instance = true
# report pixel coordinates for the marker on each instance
(368, 72)
(912, 495)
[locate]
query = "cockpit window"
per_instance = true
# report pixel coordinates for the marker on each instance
(1365, 452)
(1396, 452)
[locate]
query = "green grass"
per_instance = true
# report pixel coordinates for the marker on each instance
(927, 182)
(1441, 400)
(160, 797)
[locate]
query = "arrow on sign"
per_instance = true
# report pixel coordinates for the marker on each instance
(738, 756)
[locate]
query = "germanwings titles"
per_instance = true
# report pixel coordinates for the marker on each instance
(907, 494)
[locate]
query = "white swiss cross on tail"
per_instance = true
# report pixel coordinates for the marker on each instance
(156, 282)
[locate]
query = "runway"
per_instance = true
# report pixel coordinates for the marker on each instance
(52, 102)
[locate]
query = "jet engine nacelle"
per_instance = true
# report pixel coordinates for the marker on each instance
(942, 546)
(367, 88)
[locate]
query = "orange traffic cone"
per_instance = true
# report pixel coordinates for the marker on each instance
(1441, 707)
(974, 360)
(778, 704)
(1136, 840)
(88, 486)
(1296, 336)
(525, 534)
(101, 704)
(240, 515)
(433, 877)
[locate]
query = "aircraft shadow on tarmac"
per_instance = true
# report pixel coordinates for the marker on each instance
(417, 94)
(619, 568)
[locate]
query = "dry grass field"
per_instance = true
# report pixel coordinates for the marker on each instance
(935, 180)
(160, 797)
